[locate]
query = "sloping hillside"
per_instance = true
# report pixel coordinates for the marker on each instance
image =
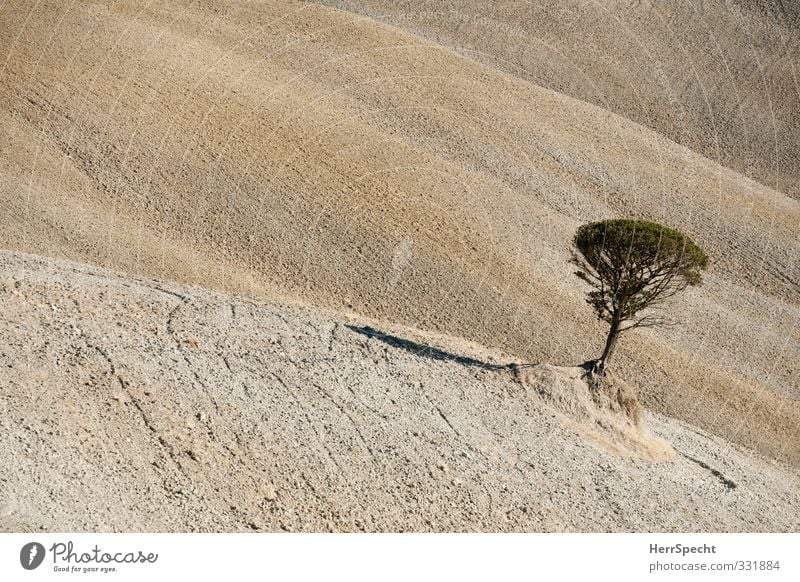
(138, 405)
(292, 149)
(718, 77)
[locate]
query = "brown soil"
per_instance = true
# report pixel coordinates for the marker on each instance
(292, 149)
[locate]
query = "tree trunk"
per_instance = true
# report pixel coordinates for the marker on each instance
(611, 342)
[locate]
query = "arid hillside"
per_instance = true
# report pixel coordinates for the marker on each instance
(290, 149)
(130, 404)
(720, 77)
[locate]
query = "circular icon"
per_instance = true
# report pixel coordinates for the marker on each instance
(31, 555)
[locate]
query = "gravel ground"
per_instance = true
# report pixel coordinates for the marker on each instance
(130, 404)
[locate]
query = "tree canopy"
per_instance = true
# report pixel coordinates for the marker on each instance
(633, 265)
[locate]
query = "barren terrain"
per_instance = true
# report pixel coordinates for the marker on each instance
(362, 162)
(138, 405)
(719, 77)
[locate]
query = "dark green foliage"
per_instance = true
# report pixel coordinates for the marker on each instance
(634, 265)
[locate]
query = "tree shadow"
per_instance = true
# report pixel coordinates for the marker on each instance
(426, 351)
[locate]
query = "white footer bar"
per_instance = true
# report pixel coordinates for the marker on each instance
(376, 557)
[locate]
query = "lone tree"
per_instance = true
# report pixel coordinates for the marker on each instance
(633, 266)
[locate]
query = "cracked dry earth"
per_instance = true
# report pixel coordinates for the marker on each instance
(137, 405)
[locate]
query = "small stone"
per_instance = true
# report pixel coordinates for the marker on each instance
(270, 494)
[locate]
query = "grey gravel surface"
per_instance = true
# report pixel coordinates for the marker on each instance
(138, 405)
